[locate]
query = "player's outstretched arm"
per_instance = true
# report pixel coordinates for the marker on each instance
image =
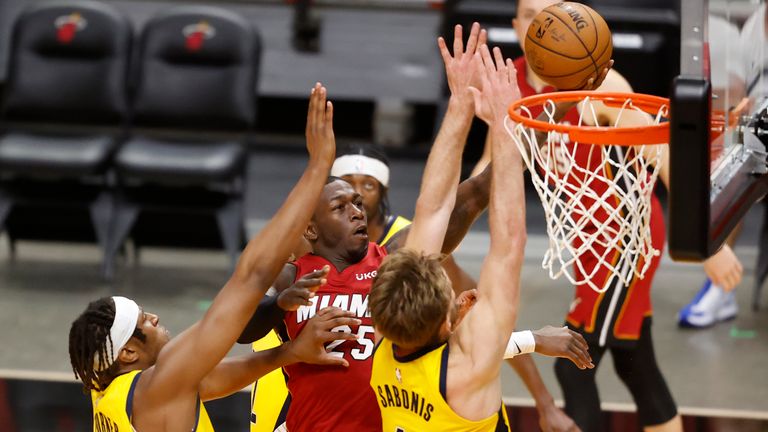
(184, 362)
(235, 373)
(440, 181)
(482, 338)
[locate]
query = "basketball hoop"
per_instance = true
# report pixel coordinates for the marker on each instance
(595, 182)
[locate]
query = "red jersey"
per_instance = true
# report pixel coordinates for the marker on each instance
(591, 311)
(333, 398)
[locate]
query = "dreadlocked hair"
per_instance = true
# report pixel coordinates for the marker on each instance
(90, 345)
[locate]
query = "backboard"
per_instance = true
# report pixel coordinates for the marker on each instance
(717, 123)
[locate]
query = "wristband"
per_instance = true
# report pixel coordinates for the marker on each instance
(521, 342)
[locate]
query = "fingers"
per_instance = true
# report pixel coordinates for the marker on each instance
(444, 50)
(320, 273)
(482, 38)
(473, 38)
(485, 54)
(511, 72)
(580, 351)
(578, 339)
(458, 46)
(581, 358)
(498, 58)
(329, 115)
(316, 110)
(310, 283)
(319, 105)
(333, 312)
(595, 82)
(731, 278)
(331, 360)
(312, 103)
(330, 336)
(340, 321)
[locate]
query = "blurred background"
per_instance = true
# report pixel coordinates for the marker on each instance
(138, 160)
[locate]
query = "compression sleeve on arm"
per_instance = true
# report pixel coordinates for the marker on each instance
(267, 316)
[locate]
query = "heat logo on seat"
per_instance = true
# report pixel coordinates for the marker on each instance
(68, 25)
(196, 34)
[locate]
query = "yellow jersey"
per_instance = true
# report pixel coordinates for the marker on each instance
(112, 407)
(269, 395)
(394, 225)
(411, 393)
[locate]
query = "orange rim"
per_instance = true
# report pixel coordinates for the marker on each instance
(602, 135)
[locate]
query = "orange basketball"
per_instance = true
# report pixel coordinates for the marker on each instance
(567, 44)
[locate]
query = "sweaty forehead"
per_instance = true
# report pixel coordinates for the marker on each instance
(337, 188)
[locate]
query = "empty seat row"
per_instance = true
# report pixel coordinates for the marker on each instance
(116, 122)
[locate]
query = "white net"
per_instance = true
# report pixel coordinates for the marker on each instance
(596, 198)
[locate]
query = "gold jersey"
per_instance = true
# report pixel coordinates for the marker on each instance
(394, 225)
(411, 393)
(269, 395)
(112, 407)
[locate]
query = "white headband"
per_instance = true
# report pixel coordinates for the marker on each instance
(359, 164)
(126, 317)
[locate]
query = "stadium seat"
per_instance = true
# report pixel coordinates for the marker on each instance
(63, 115)
(194, 101)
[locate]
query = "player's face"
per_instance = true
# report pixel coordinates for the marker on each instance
(157, 335)
(526, 12)
(371, 191)
(340, 221)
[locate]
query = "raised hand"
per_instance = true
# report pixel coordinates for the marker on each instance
(563, 342)
(309, 346)
(321, 142)
(499, 86)
(300, 293)
(594, 83)
(461, 68)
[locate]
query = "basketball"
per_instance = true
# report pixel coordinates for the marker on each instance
(567, 44)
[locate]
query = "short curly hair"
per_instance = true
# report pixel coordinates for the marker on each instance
(410, 298)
